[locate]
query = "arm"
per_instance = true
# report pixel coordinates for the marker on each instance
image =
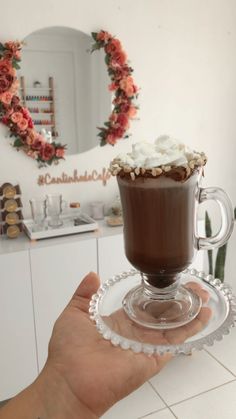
(49, 397)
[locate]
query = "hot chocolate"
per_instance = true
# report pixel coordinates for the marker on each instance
(158, 225)
(158, 201)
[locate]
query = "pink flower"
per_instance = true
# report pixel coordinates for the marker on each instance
(13, 45)
(112, 86)
(15, 100)
(32, 153)
(132, 112)
(6, 81)
(17, 55)
(32, 137)
(47, 151)
(60, 152)
(120, 72)
(103, 36)
(119, 58)
(111, 139)
(127, 85)
(123, 120)
(5, 67)
(15, 87)
(5, 120)
(22, 124)
(113, 46)
(119, 132)
(16, 117)
(6, 98)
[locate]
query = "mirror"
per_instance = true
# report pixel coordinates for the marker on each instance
(65, 87)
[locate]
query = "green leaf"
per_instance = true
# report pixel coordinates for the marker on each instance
(94, 35)
(103, 142)
(15, 65)
(2, 48)
(220, 262)
(107, 59)
(17, 142)
(208, 231)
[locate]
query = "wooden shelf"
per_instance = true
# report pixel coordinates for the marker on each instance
(51, 102)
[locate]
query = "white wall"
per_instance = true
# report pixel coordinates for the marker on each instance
(183, 54)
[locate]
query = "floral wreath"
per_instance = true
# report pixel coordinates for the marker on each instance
(16, 116)
(122, 84)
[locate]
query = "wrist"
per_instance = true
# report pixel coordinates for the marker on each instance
(57, 399)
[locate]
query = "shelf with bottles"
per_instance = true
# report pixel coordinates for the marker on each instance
(32, 95)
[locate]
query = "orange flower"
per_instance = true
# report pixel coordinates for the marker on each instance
(132, 112)
(14, 87)
(16, 117)
(127, 85)
(60, 152)
(5, 67)
(32, 137)
(22, 124)
(6, 98)
(103, 36)
(111, 139)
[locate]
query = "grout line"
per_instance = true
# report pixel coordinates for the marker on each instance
(163, 400)
(151, 413)
(200, 394)
(219, 362)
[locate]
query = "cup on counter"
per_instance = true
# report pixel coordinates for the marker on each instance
(38, 211)
(97, 210)
(55, 206)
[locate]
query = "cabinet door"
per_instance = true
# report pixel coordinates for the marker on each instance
(111, 256)
(56, 273)
(18, 362)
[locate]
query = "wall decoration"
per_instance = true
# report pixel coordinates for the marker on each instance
(17, 117)
(122, 85)
(76, 177)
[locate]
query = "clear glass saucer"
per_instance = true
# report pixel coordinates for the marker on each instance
(106, 309)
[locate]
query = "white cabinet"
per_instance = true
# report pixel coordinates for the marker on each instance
(18, 362)
(57, 271)
(111, 256)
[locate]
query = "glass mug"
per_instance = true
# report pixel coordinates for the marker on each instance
(38, 211)
(55, 206)
(160, 217)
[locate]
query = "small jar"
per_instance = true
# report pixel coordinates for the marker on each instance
(97, 210)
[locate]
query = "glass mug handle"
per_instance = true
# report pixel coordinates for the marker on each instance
(227, 218)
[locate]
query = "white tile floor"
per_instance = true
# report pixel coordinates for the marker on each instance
(200, 386)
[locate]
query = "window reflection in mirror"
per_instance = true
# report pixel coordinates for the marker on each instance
(65, 87)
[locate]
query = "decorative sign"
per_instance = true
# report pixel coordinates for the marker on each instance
(76, 177)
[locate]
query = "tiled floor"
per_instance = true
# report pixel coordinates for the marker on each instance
(200, 386)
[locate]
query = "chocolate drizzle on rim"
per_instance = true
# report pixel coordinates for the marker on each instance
(178, 173)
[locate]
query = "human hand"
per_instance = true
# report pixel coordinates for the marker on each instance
(95, 373)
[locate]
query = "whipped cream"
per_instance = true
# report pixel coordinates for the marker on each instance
(164, 151)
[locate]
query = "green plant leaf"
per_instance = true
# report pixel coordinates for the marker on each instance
(94, 35)
(208, 231)
(17, 143)
(220, 262)
(15, 65)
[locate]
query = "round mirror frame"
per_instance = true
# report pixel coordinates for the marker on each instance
(19, 121)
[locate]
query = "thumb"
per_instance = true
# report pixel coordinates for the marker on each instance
(88, 286)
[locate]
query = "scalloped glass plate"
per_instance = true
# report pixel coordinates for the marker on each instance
(112, 322)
